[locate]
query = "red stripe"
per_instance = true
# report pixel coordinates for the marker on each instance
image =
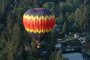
(39, 24)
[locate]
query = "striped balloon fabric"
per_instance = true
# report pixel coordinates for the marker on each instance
(38, 20)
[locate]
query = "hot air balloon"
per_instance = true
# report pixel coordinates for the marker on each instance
(38, 22)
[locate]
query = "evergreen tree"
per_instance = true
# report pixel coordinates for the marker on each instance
(13, 44)
(79, 21)
(2, 45)
(58, 56)
(49, 5)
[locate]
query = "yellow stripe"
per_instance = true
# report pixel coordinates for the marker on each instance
(25, 16)
(38, 17)
(38, 31)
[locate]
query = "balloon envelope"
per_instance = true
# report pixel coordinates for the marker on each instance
(38, 22)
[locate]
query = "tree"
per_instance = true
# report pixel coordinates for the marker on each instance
(59, 20)
(79, 21)
(49, 5)
(71, 18)
(2, 45)
(66, 7)
(13, 45)
(77, 3)
(58, 56)
(2, 6)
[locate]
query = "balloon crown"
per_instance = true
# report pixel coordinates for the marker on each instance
(38, 8)
(38, 11)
